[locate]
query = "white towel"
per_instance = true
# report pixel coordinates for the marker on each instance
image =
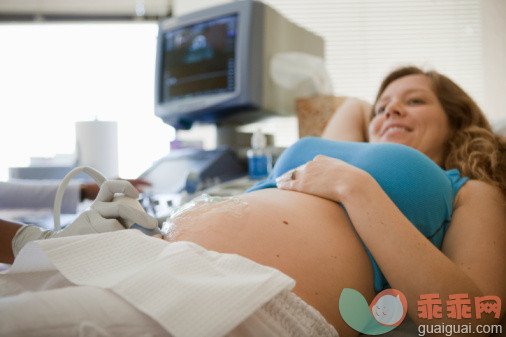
(187, 289)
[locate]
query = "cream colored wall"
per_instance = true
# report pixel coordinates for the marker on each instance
(494, 50)
(494, 58)
(180, 7)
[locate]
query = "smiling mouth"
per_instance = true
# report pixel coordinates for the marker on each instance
(395, 129)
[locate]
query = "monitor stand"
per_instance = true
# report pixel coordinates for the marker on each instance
(227, 135)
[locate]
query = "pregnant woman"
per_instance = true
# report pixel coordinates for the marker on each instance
(409, 194)
(363, 215)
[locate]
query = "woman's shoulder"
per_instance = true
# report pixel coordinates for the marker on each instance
(474, 190)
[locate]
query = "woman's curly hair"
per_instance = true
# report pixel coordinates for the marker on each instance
(472, 147)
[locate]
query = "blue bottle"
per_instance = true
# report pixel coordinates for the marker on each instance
(259, 159)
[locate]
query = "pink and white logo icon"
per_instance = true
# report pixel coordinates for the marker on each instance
(389, 307)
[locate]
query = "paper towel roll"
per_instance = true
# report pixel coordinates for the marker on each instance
(97, 146)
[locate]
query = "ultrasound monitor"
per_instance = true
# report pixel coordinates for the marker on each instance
(213, 65)
(199, 60)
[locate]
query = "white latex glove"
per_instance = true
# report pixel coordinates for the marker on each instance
(104, 215)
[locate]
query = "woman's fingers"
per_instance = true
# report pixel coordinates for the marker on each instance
(323, 177)
(285, 185)
(292, 174)
(312, 167)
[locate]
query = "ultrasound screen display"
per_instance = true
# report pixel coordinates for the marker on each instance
(199, 59)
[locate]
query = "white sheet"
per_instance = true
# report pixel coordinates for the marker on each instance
(188, 290)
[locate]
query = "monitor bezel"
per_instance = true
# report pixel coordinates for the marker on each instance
(198, 108)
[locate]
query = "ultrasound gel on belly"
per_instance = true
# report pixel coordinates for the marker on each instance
(205, 203)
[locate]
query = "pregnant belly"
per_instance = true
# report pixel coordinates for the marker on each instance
(306, 237)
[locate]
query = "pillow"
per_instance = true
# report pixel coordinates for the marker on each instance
(313, 113)
(499, 127)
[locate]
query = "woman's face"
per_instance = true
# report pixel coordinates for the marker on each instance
(408, 112)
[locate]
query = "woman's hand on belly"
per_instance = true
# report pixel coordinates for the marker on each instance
(325, 177)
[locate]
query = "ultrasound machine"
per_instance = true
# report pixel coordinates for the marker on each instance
(212, 67)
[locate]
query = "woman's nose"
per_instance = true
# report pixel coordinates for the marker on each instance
(393, 109)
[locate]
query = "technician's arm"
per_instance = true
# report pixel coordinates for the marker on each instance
(34, 194)
(104, 215)
(7, 231)
(350, 122)
(90, 191)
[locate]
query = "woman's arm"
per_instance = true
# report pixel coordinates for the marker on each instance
(473, 259)
(7, 231)
(350, 122)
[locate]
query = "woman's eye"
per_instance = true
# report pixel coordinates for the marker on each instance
(380, 109)
(415, 101)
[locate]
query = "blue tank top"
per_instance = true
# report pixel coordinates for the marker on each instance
(421, 190)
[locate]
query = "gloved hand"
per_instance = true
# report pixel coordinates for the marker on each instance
(104, 215)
